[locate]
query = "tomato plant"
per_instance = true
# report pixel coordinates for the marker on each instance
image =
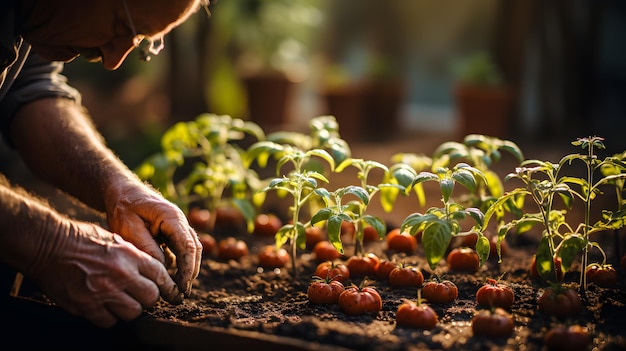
(208, 244)
(570, 338)
(384, 267)
(324, 291)
(495, 294)
(602, 275)
(439, 290)
(416, 314)
(266, 225)
(463, 259)
(360, 300)
(406, 276)
(332, 271)
(325, 251)
(231, 248)
(271, 257)
(560, 302)
(401, 241)
(493, 323)
(363, 266)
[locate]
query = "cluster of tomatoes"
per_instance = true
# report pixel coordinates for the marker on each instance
(332, 277)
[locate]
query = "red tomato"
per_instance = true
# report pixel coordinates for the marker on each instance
(314, 235)
(270, 257)
(602, 275)
(370, 234)
(363, 266)
(572, 338)
(208, 244)
(562, 303)
(231, 248)
(332, 271)
(325, 251)
(495, 294)
(383, 269)
(266, 225)
(406, 276)
(401, 242)
(356, 301)
(199, 218)
(347, 230)
(229, 219)
(414, 315)
(534, 273)
(443, 291)
(325, 291)
(463, 259)
(498, 323)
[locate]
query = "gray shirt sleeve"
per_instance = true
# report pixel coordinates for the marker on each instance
(38, 78)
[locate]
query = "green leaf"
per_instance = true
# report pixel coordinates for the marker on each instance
(435, 240)
(321, 215)
(544, 260)
(333, 228)
(359, 192)
(482, 248)
(569, 249)
(376, 223)
(446, 186)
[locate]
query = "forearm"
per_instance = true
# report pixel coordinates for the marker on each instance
(58, 142)
(27, 224)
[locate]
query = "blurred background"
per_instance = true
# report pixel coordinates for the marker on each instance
(543, 72)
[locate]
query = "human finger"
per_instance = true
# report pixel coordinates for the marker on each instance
(160, 284)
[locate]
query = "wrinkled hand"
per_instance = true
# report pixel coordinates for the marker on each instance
(147, 220)
(95, 274)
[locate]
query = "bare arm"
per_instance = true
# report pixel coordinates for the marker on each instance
(58, 142)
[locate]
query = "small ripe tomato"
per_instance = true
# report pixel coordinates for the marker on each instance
(416, 315)
(208, 244)
(440, 291)
(266, 225)
(558, 266)
(495, 294)
(383, 269)
(270, 257)
(347, 230)
(492, 323)
(604, 276)
(370, 234)
(463, 259)
(229, 219)
(406, 276)
(571, 338)
(331, 270)
(231, 248)
(325, 291)
(356, 301)
(325, 251)
(401, 242)
(363, 266)
(561, 303)
(199, 218)
(314, 235)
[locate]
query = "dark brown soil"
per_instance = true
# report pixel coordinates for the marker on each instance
(240, 296)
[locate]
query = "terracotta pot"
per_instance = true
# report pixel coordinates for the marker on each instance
(484, 110)
(267, 96)
(346, 104)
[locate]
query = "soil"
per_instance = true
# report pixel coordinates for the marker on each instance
(240, 296)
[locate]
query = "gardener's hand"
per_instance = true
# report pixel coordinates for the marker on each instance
(156, 226)
(95, 274)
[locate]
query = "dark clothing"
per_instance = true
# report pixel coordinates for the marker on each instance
(24, 75)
